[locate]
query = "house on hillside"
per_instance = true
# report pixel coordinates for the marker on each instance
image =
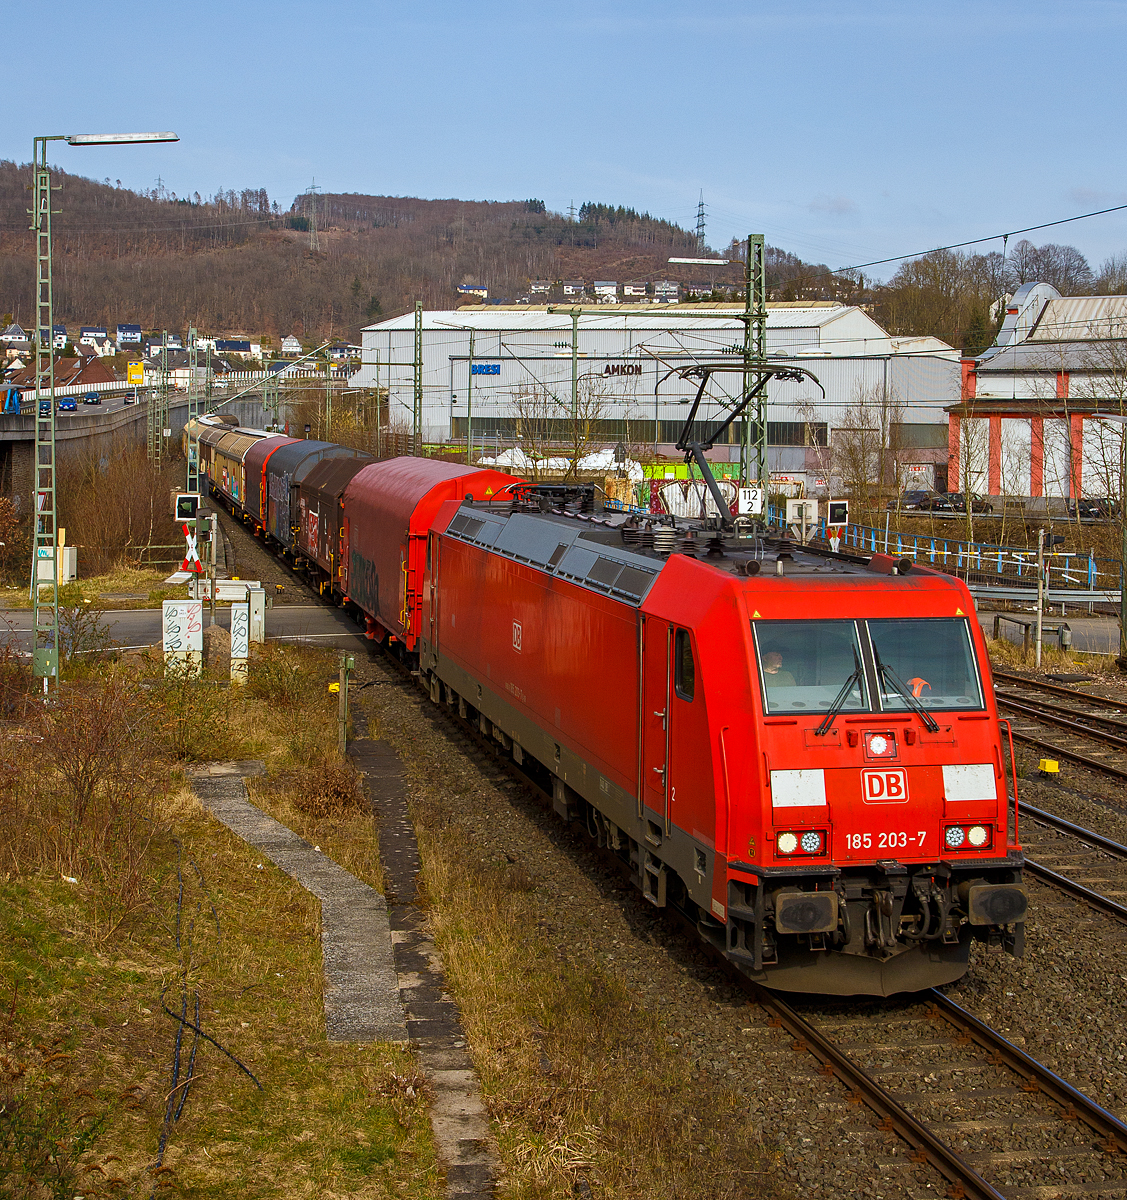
(666, 291)
(1028, 422)
(635, 290)
(291, 345)
(85, 369)
(96, 337)
(606, 291)
(128, 336)
(14, 333)
(59, 337)
(152, 345)
(539, 287)
(573, 289)
(342, 352)
(473, 289)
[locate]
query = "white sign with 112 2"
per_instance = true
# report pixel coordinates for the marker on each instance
(750, 501)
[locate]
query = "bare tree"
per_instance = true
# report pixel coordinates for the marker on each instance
(865, 449)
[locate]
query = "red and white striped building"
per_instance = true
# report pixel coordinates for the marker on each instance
(1028, 420)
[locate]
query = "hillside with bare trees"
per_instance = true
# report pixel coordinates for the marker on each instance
(239, 262)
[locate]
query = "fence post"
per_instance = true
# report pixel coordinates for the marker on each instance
(997, 626)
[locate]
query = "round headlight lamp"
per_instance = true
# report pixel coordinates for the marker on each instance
(787, 843)
(811, 842)
(955, 836)
(978, 835)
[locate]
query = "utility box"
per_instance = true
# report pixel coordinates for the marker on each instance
(256, 597)
(801, 512)
(68, 564)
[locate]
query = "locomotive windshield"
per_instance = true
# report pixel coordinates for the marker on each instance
(804, 664)
(933, 658)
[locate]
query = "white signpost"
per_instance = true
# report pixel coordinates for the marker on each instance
(183, 636)
(240, 641)
(750, 501)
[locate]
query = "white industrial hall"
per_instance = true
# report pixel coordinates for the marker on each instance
(515, 373)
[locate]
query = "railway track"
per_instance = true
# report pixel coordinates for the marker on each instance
(967, 1102)
(1090, 731)
(993, 1121)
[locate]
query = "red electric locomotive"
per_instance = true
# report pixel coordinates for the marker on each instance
(800, 752)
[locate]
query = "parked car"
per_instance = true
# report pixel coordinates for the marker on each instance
(130, 397)
(1092, 508)
(68, 404)
(919, 499)
(91, 398)
(978, 504)
(44, 408)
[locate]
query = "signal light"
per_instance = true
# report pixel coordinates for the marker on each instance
(185, 506)
(806, 841)
(966, 837)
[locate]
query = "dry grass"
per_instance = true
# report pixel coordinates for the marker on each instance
(325, 805)
(585, 1093)
(1008, 655)
(100, 590)
(86, 1042)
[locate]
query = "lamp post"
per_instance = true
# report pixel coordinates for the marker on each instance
(44, 541)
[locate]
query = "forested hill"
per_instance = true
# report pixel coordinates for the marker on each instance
(237, 261)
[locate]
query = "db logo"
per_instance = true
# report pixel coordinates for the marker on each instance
(516, 636)
(886, 786)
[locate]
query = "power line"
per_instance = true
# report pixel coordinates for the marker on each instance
(878, 262)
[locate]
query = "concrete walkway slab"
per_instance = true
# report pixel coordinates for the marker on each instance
(362, 998)
(459, 1117)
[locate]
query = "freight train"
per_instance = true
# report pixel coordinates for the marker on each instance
(798, 751)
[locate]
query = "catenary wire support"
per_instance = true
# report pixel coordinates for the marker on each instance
(193, 481)
(417, 365)
(753, 445)
(44, 589)
(44, 553)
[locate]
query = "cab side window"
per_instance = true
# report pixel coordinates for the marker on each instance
(684, 670)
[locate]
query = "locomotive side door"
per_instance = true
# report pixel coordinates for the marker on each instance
(657, 664)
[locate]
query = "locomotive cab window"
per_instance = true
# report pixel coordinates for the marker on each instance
(684, 672)
(804, 665)
(930, 659)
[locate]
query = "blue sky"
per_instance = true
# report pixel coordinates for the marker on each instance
(843, 131)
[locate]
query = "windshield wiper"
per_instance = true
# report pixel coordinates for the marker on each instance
(913, 702)
(839, 700)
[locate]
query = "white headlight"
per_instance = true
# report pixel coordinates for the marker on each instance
(977, 835)
(787, 843)
(811, 842)
(955, 836)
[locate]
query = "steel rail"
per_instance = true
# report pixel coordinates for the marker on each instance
(1093, 764)
(1099, 724)
(1050, 718)
(1076, 890)
(897, 1119)
(1038, 1077)
(1057, 689)
(1076, 831)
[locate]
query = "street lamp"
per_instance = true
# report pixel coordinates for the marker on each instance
(44, 542)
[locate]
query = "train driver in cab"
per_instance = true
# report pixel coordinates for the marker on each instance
(775, 676)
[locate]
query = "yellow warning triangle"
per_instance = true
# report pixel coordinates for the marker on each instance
(489, 491)
(959, 612)
(756, 614)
